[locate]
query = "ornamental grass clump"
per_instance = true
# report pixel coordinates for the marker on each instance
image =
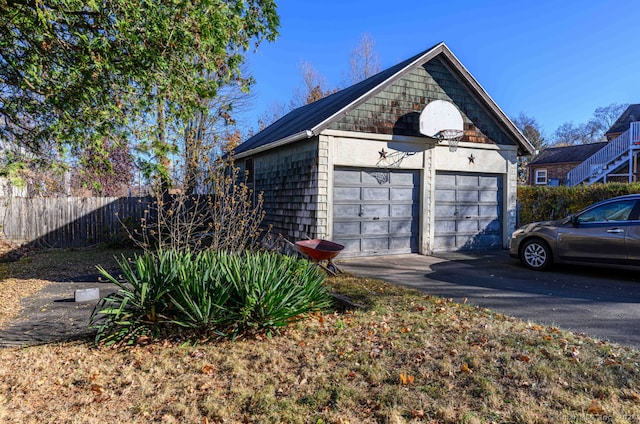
(182, 294)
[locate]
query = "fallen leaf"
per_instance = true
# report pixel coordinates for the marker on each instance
(595, 408)
(419, 413)
(524, 358)
(406, 379)
(96, 388)
(208, 370)
(465, 369)
(405, 329)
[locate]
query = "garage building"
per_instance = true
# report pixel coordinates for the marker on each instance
(359, 168)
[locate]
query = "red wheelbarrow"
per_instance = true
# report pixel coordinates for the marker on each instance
(321, 250)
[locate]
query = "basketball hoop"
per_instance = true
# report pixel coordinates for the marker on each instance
(452, 137)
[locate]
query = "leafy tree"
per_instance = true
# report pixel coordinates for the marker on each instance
(531, 129)
(77, 71)
(106, 172)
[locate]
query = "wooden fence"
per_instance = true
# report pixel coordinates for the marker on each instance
(69, 221)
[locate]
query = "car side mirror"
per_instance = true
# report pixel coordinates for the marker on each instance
(575, 221)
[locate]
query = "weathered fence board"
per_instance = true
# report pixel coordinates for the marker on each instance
(68, 221)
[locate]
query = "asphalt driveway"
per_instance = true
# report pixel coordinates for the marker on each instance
(602, 303)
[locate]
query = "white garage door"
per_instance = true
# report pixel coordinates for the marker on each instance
(375, 211)
(468, 211)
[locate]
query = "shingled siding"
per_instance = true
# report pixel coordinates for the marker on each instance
(288, 177)
(396, 110)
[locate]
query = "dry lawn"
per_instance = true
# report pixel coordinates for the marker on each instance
(406, 357)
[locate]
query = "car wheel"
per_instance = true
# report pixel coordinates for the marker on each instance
(536, 254)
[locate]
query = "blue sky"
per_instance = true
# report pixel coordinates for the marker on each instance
(556, 61)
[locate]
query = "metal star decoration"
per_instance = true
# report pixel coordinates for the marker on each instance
(383, 153)
(472, 159)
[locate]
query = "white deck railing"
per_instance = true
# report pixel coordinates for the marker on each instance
(596, 164)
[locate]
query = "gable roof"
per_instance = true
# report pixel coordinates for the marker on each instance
(567, 154)
(309, 120)
(631, 114)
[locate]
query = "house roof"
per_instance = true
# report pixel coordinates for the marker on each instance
(631, 114)
(309, 120)
(567, 154)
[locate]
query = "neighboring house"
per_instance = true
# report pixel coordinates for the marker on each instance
(354, 167)
(614, 160)
(553, 164)
(622, 124)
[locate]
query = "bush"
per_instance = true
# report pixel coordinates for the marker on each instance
(543, 203)
(207, 293)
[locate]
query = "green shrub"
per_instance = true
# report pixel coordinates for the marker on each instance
(271, 290)
(542, 203)
(223, 294)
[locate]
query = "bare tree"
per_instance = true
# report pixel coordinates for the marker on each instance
(604, 117)
(363, 60)
(592, 131)
(530, 128)
(314, 86)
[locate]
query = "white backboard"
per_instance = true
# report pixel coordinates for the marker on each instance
(440, 115)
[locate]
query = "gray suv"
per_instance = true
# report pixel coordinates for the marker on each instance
(606, 233)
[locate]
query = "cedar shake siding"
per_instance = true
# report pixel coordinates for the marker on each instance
(288, 179)
(396, 109)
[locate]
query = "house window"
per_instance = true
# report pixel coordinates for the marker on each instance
(541, 176)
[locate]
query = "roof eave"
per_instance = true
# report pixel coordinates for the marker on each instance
(464, 72)
(304, 134)
(428, 55)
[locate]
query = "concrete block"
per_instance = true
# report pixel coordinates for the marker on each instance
(87, 295)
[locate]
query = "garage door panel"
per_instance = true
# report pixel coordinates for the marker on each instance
(446, 180)
(402, 227)
(444, 210)
(373, 178)
(406, 194)
(466, 210)
(375, 227)
(375, 211)
(489, 196)
(350, 244)
(375, 244)
(468, 196)
(375, 193)
(467, 225)
(466, 180)
(489, 210)
(346, 211)
(488, 182)
(347, 227)
(402, 211)
(403, 178)
(446, 225)
(492, 225)
(445, 195)
(403, 243)
(346, 176)
(346, 193)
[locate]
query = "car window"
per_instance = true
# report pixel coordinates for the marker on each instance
(616, 211)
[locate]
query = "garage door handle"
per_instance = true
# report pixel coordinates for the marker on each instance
(467, 217)
(375, 218)
(615, 231)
